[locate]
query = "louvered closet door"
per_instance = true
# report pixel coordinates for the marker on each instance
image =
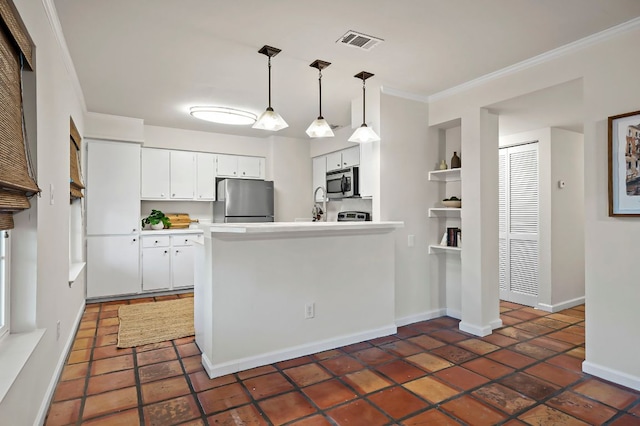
(518, 224)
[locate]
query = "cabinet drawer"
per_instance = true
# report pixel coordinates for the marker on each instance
(182, 240)
(159, 241)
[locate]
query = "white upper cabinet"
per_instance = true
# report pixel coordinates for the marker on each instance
(342, 159)
(113, 188)
(182, 175)
(240, 167)
(155, 174)
(205, 176)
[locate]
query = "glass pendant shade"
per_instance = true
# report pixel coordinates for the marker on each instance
(223, 115)
(320, 129)
(364, 134)
(270, 120)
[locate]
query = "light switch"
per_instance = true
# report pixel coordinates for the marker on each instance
(411, 240)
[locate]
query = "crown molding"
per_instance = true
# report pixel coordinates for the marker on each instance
(542, 58)
(54, 21)
(402, 94)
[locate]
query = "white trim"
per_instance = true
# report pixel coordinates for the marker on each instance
(74, 271)
(561, 306)
(48, 396)
(475, 330)
(241, 364)
(54, 21)
(402, 94)
(15, 351)
(611, 375)
(424, 316)
(542, 58)
(497, 323)
(104, 137)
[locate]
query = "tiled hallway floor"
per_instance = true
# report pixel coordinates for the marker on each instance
(430, 373)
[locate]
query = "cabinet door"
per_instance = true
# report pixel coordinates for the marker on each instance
(156, 268)
(205, 176)
(249, 167)
(319, 167)
(334, 161)
(227, 165)
(113, 188)
(182, 266)
(113, 266)
(155, 174)
(350, 157)
(182, 175)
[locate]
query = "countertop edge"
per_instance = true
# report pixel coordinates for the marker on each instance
(300, 227)
(171, 231)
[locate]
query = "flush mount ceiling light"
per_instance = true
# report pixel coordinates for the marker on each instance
(364, 134)
(320, 128)
(270, 120)
(223, 115)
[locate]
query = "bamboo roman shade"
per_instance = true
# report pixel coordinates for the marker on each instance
(16, 178)
(75, 182)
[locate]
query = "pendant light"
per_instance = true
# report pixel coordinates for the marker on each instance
(364, 134)
(270, 120)
(319, 128)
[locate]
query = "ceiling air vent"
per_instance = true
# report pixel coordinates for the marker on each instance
(359, 40)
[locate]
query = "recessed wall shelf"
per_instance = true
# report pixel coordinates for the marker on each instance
(436, 249)
(448, 175)
(444, 212)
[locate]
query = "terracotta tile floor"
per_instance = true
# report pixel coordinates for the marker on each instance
(528, 372)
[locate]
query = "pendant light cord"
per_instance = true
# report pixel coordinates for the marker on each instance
(363, 103)
(320, 90)
(269, 62)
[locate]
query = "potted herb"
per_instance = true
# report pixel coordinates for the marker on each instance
(156, 220)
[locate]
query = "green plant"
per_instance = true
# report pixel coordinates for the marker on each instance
(155, 218)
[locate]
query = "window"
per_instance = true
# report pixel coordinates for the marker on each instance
(4, 283)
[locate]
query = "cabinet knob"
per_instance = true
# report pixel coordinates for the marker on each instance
(173, 195)
(134, 240)
(186, 241)
(133, 230)
(162, 194)
(243, 173)
(177, 251)
(156, 241)
(165, 252)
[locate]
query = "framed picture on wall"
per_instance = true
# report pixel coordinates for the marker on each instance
(624, 164)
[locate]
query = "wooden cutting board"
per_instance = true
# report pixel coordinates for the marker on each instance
(179, 220)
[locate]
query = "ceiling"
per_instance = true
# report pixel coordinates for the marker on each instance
(153, 59)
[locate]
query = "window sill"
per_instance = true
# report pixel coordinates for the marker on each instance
(75, 269)
(15, 351)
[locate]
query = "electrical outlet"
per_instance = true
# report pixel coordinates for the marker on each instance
(58, 330)
(309, 310)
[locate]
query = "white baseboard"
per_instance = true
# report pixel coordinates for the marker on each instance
(475, 330)
(561, 306)
(611, 375)
(48, 396)
(241, 364)
(497, 323)
(424, 316)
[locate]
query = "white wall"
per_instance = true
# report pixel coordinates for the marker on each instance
(404, 194)
(49, 299)
(610, 87)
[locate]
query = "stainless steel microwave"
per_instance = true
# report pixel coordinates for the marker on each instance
(343, 183)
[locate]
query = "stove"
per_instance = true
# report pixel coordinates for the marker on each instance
(354, 216)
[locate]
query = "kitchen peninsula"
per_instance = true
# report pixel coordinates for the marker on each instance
(267, 292)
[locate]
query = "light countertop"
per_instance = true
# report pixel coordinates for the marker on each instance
(334, 228)
(170, 231)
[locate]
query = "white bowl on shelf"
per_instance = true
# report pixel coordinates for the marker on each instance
(452, 203)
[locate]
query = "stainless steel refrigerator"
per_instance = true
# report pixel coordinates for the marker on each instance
(243, 200)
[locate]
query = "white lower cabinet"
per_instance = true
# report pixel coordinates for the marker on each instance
(168, 261)
(113, 266)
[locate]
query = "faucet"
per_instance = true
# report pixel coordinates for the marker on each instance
(324, 204)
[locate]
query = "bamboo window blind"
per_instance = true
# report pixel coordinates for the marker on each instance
(75, 181)
(17, 181)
